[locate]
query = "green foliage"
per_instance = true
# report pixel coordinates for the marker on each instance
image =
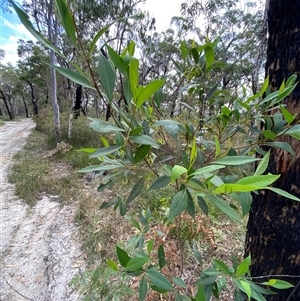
(206, 167)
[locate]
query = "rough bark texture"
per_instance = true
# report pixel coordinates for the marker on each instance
(273, 236)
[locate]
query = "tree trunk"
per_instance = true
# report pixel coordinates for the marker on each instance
(261, 51)
(273, 236)
(6, 105)
(53, 39)
(25, 106)
(33, 101)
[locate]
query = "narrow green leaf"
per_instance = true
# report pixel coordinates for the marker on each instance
(141, 152)
(74, 76)
(99, 167)
(119, 139)
(179, 203)
(127, 91)
(284, 193)
(264, 86)
(104, 151)
(67, 20)
(224, 207)
(122, 207)
(134, 77)
(166, 122)
(160, 182)
(294, 131)
(158, 97)
(123, 257)
(202, 204)
(245, 199)
(103, 127)
(117, 60)
(282, 145)
(268, 134)
(221, 266)
(177, 171)
(191, 205)
(263, 164)
(179, 282)
(286, 92)
(159, 280)
(108, 204)
(268, 98)
(183, 49)
(112, 265)
(147, 91)
(24, 18)
(279, 284)
(161, 256)
(135, 223)
(136, 190)
(150, 246)
(131, 48)
(246, 288)
(144, 140)
(137, 263)
(258, 181)
(243, 267)
(200, 294)
(289, 118)
(291, 80)
(143, 289)
(87, 150)
(207, 169)
(209, 56)
(236, 160)
(107, 75)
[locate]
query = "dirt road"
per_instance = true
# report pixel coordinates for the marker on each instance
(39, 248)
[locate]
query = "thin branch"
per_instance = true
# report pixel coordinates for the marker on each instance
(293, 291)
(278, 276)
(17, 291)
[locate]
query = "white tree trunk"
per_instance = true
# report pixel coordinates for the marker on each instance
(53, 40)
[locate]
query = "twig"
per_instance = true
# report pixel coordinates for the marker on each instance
(268, 276)
(180, 244)
(17, 291)
(293, 291)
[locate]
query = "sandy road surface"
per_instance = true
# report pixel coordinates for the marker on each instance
(39, 249)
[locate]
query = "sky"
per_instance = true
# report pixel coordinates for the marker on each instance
(11, 29)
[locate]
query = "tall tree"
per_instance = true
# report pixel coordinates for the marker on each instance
(53, 38)
(273, 236)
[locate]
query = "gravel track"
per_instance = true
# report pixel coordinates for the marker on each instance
(39, 247)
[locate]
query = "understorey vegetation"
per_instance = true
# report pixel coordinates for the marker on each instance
(172, 162)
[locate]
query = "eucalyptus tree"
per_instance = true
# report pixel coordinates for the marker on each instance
(273, 237)
(32, 70)
(238, 25)
(8, 80)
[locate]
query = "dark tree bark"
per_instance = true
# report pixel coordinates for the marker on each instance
(10, 114)
(273, 236)
(25, 107)
(77, 108)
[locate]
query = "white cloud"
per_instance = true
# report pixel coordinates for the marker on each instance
(163, 11)
(9, 41)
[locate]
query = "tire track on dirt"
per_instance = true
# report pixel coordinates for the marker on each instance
(39, 247)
